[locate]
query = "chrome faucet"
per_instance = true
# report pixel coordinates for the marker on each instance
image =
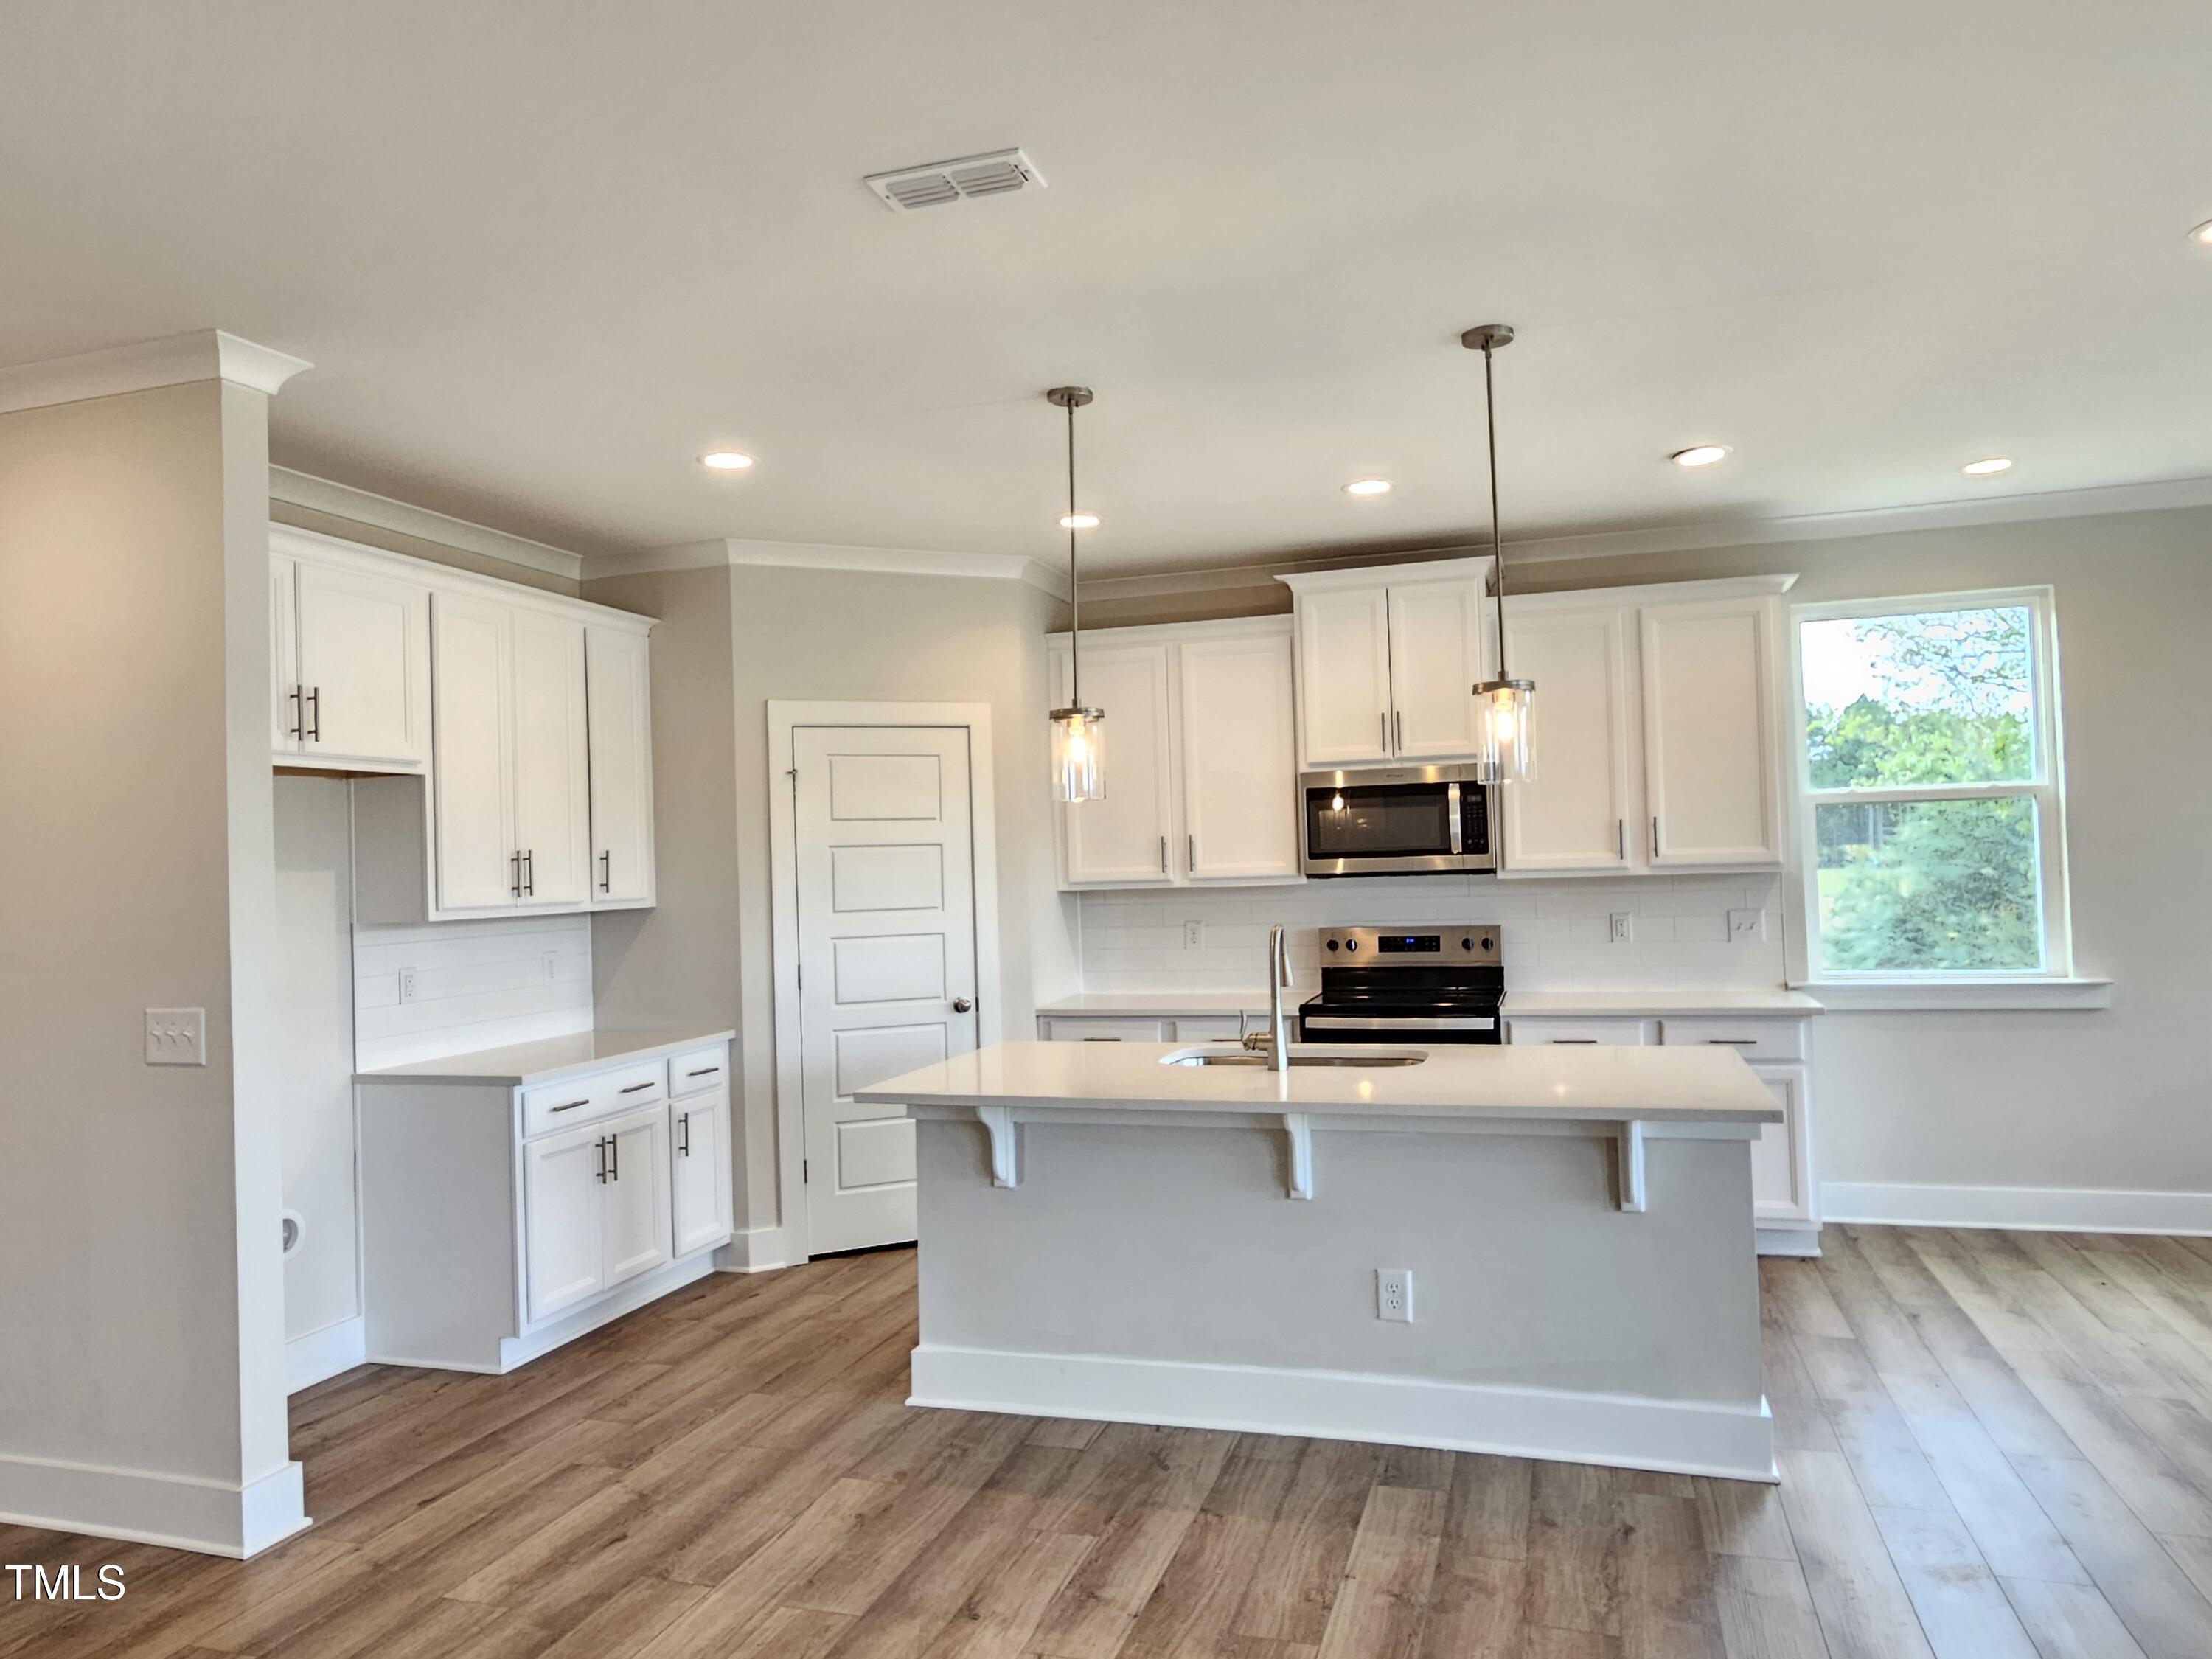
(1277, 1042)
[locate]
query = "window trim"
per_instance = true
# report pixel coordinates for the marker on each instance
(1935, 987)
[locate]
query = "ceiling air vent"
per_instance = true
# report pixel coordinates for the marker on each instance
(1001, 173)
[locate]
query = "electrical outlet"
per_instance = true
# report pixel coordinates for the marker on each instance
(1624, 927)
(549, 960)
(176, 1037)
(1193, 936)
(1747, 926)
(1394, 1294)
(407, 993)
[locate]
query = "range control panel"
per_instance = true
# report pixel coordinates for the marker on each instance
(1422, 947)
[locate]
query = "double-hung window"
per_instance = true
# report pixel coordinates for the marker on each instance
(1932, 835)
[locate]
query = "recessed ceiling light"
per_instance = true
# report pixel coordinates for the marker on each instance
(1988, 467)
(726, 461)
(2202, 234)
(1078, 521)
(1368, 487)
(1699, 455)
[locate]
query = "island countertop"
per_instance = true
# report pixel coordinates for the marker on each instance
(1596, 1084)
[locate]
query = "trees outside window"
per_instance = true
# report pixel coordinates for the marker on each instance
(1929, 775)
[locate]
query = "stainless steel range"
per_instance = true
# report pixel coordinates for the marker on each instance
(1394, 985)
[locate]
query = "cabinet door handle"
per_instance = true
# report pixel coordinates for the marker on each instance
(614, 1158)
(632, 1088)
(1191, 847)
(530, 872)
(684, 1135)
(515, 873)
(1163, 855)
(1384, 715)
(297, 697)
(570, 1106)
(704, 1071)
(1398, 721)
(1655, 835)
(601, 1147)
(606, 871)
(1620, 839)
(315, 701)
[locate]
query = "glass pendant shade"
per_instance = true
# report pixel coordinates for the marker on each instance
(1504, 742)
(1078, 745)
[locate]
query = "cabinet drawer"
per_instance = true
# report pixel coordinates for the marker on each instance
(575, 1100)
(1754, 1039)
(699, 1068)
(1063, 1030)
(1630, 1032)
(1209, 1027)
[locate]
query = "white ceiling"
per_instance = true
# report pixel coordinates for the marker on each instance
(543, 257)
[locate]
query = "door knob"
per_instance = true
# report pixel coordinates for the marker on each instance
(961, 1004)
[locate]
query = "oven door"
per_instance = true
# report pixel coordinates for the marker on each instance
(1377, 823)
(1402, 1030)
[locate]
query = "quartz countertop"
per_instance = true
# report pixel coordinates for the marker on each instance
(1167, 1004)
(1610, 1085)
(546, 1059)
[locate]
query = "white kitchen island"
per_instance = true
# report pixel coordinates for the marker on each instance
(1105, 1234)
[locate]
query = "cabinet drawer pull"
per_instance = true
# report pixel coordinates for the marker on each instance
(632, 1088)
(1733, 1042)
(1577, 1042)
(704, 1071)
(1102, 1039)
(572, 1105)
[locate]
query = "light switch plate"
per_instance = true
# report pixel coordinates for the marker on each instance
(176, 1037)
(1193, 936)
(1747, 926)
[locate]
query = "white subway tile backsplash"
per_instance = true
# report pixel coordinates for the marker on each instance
(1556, 935)
(477, 985)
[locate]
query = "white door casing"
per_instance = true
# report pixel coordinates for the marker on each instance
(886, 957)
(1574, 813)
(1239, 757)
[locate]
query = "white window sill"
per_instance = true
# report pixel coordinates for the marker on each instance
(1855, 995)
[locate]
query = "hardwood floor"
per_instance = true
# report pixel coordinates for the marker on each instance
(1992, 1444)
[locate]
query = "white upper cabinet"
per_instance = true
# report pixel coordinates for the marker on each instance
(551, 789)
(1199, 755)
(1709, 765)
(1657, 727)
(533, 717)
(1387, 662)
(618, 685)
(1573, 814)
(1239, 758)
(1123, 837)
(1344, 667)
(350, 658)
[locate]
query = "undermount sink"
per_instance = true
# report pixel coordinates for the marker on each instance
(1357, 1058)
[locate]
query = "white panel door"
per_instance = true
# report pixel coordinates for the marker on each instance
(701, 1182)
(283, 659)
(362, 640)
(617, 678)
(1125, 836)
(1343, 677)
(1781, 1160)
(471, 687)
(887, 957)
(552, 760)
(637, 1195)
(1437, 654)
(563, 1219)
(1573, 814)
(1239, 759)
(1708, 745)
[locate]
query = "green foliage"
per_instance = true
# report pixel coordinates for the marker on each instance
(1930, 885)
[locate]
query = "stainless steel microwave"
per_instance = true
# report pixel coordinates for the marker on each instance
(1394, 821)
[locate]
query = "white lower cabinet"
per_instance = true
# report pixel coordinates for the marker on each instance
(499, 1221)
(1112, 1028)
(1782, 1162)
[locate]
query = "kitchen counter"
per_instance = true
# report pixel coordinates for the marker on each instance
(1598, 1083)
(1168, 1004)
(548, 1058)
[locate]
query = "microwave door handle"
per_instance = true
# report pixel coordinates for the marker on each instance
(1452, 810)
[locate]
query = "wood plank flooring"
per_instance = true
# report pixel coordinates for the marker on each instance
(1992, 1444)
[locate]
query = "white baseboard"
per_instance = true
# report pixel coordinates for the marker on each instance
(176, 1512)
(2025, 1209)
(755, 1250)
(1788, 1241)
(321, 1355)
(1622, 1430)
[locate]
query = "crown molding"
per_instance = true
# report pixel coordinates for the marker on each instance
(822, 555)
(206, 354)
(341, 501)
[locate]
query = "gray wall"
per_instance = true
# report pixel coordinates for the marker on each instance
(144, 1298)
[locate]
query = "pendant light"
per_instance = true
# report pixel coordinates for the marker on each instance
(1503, 752)
(1078, 734)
